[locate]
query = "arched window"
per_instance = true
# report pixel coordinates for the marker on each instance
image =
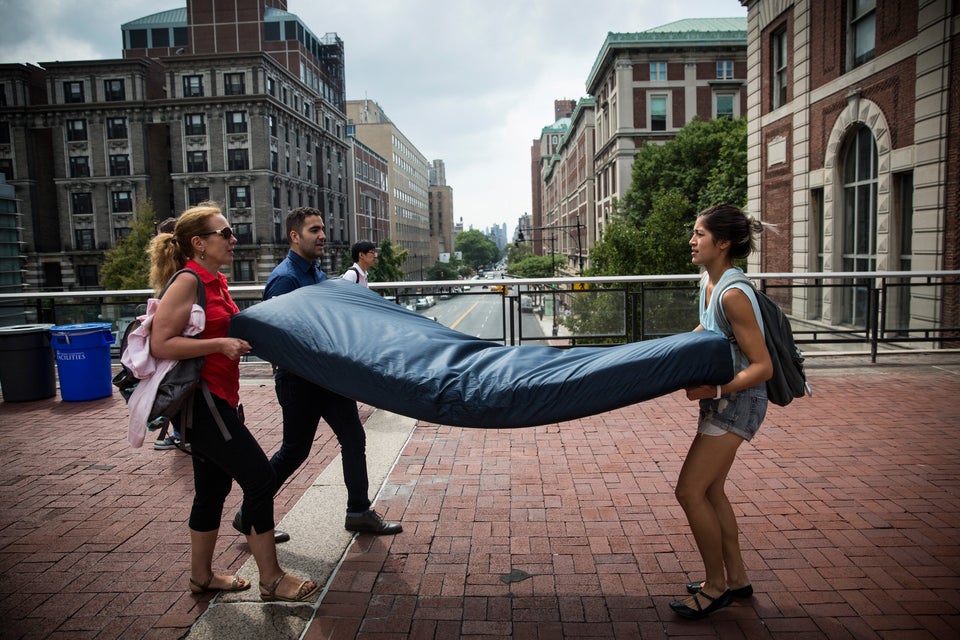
(859, 220)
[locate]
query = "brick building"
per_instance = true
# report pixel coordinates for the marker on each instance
(853, 149)
(235, 101)
(643, 87)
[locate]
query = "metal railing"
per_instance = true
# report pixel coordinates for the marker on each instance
(852, 313)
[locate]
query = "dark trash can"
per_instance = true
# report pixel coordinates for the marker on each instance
(26, 363)
(83, 360)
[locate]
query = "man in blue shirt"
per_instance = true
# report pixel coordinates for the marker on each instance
(305, 403)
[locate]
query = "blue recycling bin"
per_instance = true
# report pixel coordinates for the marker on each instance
(26, 363)
(83, 360)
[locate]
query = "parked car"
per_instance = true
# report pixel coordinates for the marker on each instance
(425, 302)
(526, 304)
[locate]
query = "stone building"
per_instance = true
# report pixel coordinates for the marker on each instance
(854, 150)
(409, 179)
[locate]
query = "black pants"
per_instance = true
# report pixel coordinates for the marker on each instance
(217, 463)
(304, 404)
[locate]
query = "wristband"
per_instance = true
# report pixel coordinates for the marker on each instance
(717, 397)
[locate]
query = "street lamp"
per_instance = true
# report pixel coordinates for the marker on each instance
(577, 226)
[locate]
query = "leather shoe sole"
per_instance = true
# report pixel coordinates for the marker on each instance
(278, 536)
(693, 588)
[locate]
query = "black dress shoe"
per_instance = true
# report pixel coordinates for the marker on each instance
(371, 522)
(278, 536)
(719, 602)
(693, 588)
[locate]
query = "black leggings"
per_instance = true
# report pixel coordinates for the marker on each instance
(216, 463)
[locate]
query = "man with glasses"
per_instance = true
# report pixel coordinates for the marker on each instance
(364, 254)
(305, 403)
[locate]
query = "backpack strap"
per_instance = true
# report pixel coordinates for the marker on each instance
(201, 294)
(737, 278)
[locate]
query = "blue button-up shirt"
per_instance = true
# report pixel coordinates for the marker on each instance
(294, 272)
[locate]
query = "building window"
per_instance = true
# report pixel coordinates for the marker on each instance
(240, 197)
(76, 130)
(725, 69)
(194, 124)
(116, 128)
(236, 121)
(276, 198)
(272, 87)
(113, 90)
(121, 202)
(903, 201)
(244, 232)
(4, 132)
(237, 160)
(863, 31)
(81, 203)
(196, 161)
(160, 37)
(84, 240)
(658, 113)
(243, 270)
(119, 233)
(87, 275)
(79, 167)
(138, 38)
(724, 105)
(859, 221)
(180, 37)
(233, 84)
(196, 195)
(271, 31)
(119, 164)
(72, 91)
(272, 124)
(274, 161)
(192, 86)
(6, 168)
(658, 71)
(779, 58)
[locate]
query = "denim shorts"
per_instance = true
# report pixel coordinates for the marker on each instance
(740, 412)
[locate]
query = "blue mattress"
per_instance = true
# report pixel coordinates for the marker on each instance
(348, 339)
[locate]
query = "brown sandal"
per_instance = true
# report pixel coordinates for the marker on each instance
(269, 594)
(238, 584)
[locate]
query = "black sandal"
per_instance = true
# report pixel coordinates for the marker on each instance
(716, 602)
(693, 588)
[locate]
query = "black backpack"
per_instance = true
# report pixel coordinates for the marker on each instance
(789, 380)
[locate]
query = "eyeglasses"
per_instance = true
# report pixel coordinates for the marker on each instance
(226, 233)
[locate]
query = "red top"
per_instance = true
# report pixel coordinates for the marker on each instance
(220, 373)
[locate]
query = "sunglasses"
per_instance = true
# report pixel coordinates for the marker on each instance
(226, 233)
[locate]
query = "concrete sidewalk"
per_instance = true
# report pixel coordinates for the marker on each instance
(849, 506)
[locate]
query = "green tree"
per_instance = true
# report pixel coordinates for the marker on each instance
(389, 264)
(533, 266)
(127, 264)
(443, 271)
(706, 163)
(476, 248)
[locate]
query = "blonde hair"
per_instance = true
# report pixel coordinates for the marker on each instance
(169, 252)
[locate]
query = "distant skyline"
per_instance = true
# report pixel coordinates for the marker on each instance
(469, 82)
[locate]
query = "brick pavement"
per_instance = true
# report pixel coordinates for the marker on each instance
(849, 507)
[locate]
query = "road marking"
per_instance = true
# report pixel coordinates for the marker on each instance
(465, 314)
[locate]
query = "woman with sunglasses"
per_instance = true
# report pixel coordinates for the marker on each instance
(202, 241)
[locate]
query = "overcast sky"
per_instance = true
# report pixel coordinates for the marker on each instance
(471, 82)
